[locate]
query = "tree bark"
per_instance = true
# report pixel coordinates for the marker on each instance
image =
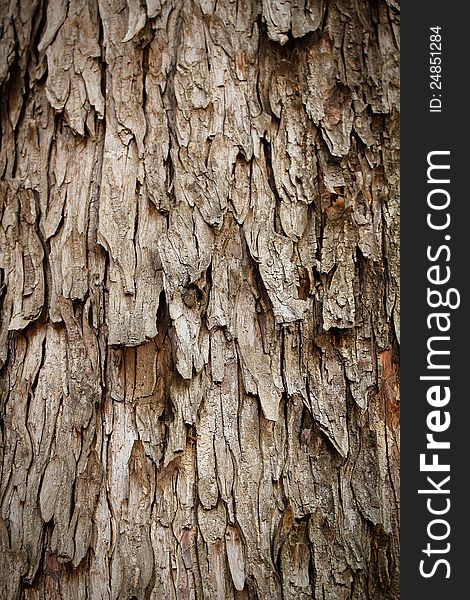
(199, 299)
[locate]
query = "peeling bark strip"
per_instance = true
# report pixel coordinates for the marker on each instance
(199, 299)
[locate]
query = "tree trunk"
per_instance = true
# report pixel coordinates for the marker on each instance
(199, 287)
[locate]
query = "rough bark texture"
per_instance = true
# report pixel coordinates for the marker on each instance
(199, 299)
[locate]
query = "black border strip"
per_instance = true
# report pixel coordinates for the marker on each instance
(422, 132)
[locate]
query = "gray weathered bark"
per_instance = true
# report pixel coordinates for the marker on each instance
(199, 287)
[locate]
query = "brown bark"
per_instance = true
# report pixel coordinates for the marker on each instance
(199, 299)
